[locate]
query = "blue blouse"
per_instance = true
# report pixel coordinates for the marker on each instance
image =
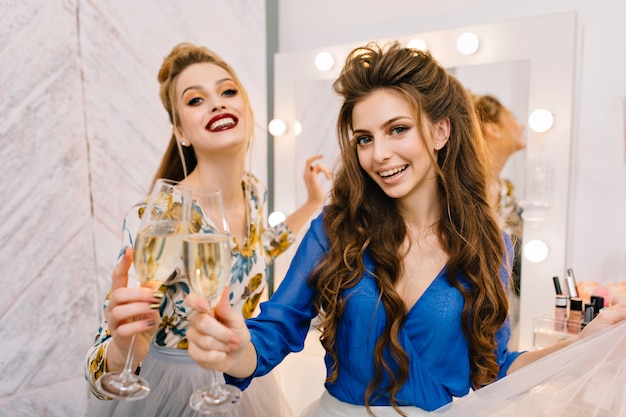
(431, 335)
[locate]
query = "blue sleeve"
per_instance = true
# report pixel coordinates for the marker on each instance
(284, 321)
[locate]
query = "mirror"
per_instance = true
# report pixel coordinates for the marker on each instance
(317, 107)
(508, 82)
(534, 67)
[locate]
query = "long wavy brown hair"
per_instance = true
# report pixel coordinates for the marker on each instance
(361, 217)
(179, 160)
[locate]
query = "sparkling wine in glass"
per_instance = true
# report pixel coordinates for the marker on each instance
(157, 252)
(207, 260)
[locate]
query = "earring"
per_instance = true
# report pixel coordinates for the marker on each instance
(183, 143)
(436, 146)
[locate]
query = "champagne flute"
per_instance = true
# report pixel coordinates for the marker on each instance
(207, 260)
(157, 252)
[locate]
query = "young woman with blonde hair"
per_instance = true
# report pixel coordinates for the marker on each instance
(212, 123)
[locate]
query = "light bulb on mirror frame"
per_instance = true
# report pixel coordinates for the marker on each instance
(536, 250)
(540, 120)
(417, 43)
(324, 61)
(297, 128)
(277, 127)
(467, 43)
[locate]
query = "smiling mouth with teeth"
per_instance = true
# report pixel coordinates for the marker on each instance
(222, 123)
(392, 172)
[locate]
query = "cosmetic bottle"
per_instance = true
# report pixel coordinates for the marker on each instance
(575, 317)
(557, 285)
(560, 313)
(588, 315)
(570, 280)
(598, 304)
(605, 294)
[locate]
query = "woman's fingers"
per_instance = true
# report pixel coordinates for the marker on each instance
(210, 342)
(613, 314)
(120, 273)
(313, 185)
(311, 170)
(607, 318)
(216, 336)
(126, 295)
(197, 303)
(209, 334)
(146, 323)
(133, 310)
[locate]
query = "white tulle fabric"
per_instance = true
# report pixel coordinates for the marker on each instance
(587, 378)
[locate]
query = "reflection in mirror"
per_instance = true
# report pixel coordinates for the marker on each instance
(524, 63)
(317, 107)
(508, 82)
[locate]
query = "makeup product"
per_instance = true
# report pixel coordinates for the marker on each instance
(557, 286)
(560, 313)
(571, 284)
(588, 315)
(598, 304)
(575, 317)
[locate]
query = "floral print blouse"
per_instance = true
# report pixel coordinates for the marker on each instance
(251, 260)
(509, 210)
(510, 218)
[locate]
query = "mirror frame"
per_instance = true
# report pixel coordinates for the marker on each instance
(552, 58)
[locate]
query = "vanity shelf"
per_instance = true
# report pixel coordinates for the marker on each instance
(549, 330)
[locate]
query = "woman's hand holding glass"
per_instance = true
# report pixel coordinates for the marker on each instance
(126, 304)
(217, 337)
(158, 248)
(207, 259)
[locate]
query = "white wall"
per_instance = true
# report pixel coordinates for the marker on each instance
(82, 131)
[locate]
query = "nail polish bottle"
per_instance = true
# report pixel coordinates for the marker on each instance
(575, 317)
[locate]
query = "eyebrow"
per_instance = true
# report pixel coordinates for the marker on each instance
(387, 123)
(199, 87)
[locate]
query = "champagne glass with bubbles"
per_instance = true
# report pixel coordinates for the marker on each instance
(207, 261)
(157, 253)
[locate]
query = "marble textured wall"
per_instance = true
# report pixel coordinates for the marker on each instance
(82, 131)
